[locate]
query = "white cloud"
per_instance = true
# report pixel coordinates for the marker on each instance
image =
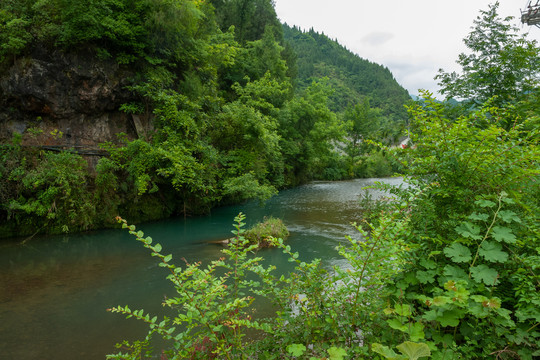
(377, 38)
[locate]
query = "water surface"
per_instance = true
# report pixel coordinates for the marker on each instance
(54, 291)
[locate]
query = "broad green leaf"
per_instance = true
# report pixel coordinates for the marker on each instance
(478, 310)
(426, 276)
(483, 273)
(492, 251)
(493, 303)
(509, 216)
(441, 300)
(501, 233)
(388, 311)
(450, 317)
(479, 298)
(428, 264)
(336, 353)
(450, 285)
(416, 331)
(403, 310)
(455, 273)
(461, 295)
(157, 248)
(413, 350)
(296, 350)
(469, 230)
(397, 324)
(431, 315)
(386, 352)
(478, 217)
(167, 258)
(485, 203)
(458, 253)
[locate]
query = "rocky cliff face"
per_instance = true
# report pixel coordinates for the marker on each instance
(62, 99)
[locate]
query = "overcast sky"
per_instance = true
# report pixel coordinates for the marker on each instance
(413, 38)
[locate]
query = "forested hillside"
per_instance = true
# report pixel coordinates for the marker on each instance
(350, 76)
(153, 108)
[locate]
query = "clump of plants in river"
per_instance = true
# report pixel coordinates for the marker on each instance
(262, 234)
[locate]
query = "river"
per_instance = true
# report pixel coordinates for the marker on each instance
(54, 291)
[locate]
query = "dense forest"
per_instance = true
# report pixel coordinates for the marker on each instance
(350, 76)
(229, 106)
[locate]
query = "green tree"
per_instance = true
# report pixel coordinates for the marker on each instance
(265, 55)
(501, 63)
(250, 18)
(14, 35)
(309, 132)
(246, 133)
(364, 123)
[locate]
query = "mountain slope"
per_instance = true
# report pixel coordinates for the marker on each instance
(351, 76)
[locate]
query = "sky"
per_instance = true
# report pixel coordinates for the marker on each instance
(413, 38)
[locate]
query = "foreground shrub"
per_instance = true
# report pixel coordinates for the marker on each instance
(470, 286)
(320, 312)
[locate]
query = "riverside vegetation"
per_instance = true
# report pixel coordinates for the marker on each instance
(448, 268)
(235, 115)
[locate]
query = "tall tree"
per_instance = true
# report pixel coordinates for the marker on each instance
(309, 132)
(502, 63)
(249, 18)
(364, 123)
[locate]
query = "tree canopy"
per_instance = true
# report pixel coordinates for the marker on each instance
(502, 63)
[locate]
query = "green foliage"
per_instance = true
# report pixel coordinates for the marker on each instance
(502, 63)
(246, 187)
(467, 161)
(364, 123)
(14, 36)
(444, 283)
(448, 268)
(410, 350)
(155, 31)
(375, 164)
(250, 18)
(213, 82)
(308, 131)
(459, 280)
(55, 190)
(317, 307)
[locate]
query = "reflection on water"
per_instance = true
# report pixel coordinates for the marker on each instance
(54, 291)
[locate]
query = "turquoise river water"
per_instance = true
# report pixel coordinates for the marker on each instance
(54, 291)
